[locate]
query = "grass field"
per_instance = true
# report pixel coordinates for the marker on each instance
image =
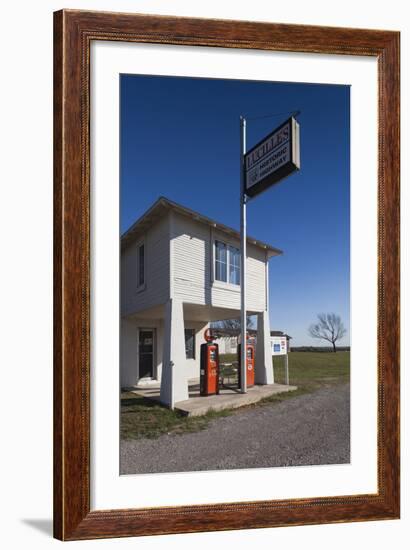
(143, 418)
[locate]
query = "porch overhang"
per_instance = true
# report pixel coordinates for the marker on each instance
(192, 312)
(195, 312)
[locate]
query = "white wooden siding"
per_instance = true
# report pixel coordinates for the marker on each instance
(192, 263)
(256, 272)
(157, 268)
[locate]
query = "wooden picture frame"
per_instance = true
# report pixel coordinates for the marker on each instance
(74, 32)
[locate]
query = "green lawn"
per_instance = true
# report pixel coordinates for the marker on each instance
(313, 369)
(310, 371)
(142, 418)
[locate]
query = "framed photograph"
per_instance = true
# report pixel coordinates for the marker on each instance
(224, 360)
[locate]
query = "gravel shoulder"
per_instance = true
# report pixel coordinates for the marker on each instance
(305, 430)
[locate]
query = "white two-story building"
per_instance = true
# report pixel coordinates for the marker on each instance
(180, 271)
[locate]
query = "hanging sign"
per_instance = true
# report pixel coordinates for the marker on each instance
(273, 159)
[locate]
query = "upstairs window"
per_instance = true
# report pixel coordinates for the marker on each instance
(140, 265)
(234, 263)
(227, 263)
(220, 261)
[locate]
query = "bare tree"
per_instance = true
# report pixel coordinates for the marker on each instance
(329, 327)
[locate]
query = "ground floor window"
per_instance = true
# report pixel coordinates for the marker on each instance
(190, 343)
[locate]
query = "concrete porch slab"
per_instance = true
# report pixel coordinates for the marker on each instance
(228, 398)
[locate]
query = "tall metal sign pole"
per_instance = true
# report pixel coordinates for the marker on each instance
(271, 160)
(243, 253)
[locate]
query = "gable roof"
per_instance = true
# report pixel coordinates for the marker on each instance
(162, 205)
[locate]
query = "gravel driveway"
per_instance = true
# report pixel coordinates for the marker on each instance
(304, 430)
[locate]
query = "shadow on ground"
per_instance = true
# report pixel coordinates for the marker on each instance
(43, 525)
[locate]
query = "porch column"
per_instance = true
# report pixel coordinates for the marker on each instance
(174, 378)
(128, 353)
(263, 358)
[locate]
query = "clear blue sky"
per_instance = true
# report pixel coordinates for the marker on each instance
(180, 139)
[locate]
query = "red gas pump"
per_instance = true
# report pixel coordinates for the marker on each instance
(209, 380)
(250, 365)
